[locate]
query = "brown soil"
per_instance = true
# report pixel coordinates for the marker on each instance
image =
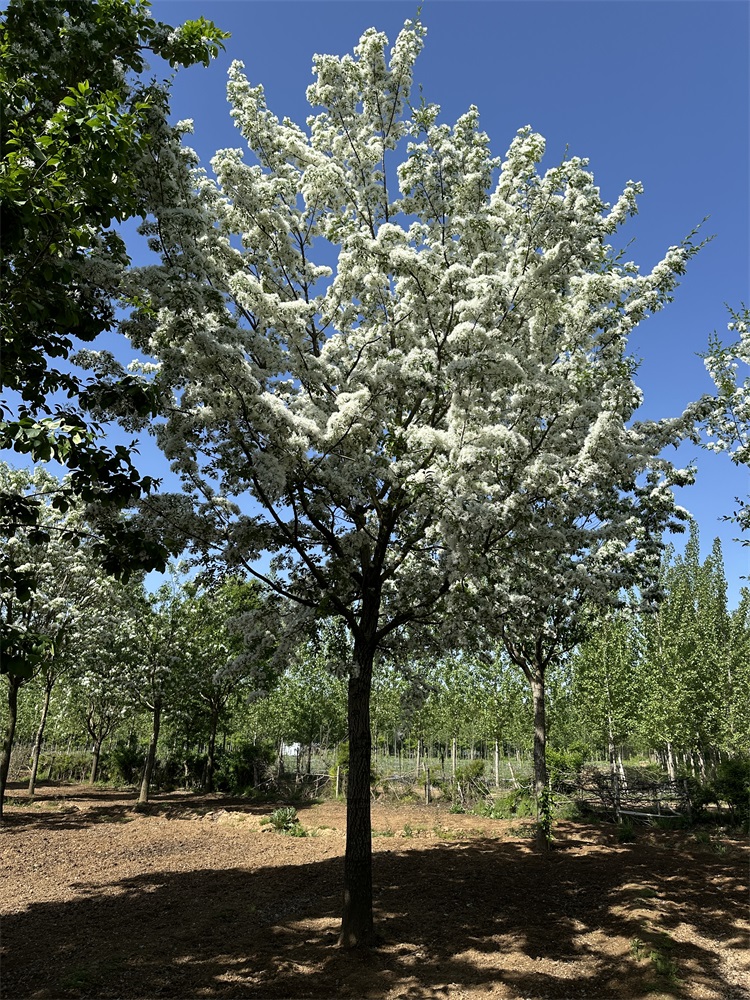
(193, 899)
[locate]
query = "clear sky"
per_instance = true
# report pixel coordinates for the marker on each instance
(651, 91)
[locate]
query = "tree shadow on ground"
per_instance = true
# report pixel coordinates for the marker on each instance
(54, 809)
(469, 918)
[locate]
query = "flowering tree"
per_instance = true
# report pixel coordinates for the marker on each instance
(37, 624)
(381, 426)
(728, 423)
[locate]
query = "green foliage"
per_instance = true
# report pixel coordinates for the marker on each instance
(517, 804)
(241, 767)
(546, 808)
(77, 132)
(562, 764)
(625, 832)
(732, 785)
(125, 761)
(470, 782)
(340, 760)
(284, 820)
(62, 765)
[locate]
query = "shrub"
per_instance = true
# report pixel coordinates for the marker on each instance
(518, 804)
(66, 765)
(242, 767)
(470, 781)
(625, 833)
(563, 764)
(284, 820)
(732, 785)
(125, 760)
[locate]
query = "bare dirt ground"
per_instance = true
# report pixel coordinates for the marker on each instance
(194, 899)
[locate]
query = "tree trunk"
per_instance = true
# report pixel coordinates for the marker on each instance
(671, 770)
(151, 757)
(39, 738)
(497, 764)
(211, 756)
(536, 676)
(96, 754)
(14, 683)
(357, 922)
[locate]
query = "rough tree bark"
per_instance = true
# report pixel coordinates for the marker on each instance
(536, 679)
(357, 921)
(96, 754)
(14, 683)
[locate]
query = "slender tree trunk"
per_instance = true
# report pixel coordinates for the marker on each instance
(497, 764)
(14, 683)
(419, 748)
(211, 756)
(96, 756)
(39, 738)
(671, 770)
(357, 921)
(536, 677)
(151, 757)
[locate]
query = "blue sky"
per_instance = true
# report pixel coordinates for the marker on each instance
(650, 91)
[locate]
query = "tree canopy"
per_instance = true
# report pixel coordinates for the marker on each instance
(399, 365)
(79, 126)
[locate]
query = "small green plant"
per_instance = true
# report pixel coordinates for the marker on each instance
(664, 964)
(546, 806)
(408, 831)
(637, 948)
(284, 819)
(657, 951)
(625, 833)
(388, 832)
(457, 808)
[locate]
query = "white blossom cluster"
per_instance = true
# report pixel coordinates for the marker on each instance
(729, 422)
(448, 407)
(728, 419)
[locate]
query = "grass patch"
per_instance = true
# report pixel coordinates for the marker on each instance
(656, 949)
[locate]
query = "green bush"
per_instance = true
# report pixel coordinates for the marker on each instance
(284, 820)
(243, 765)
(562, 764)
(470, 782)
(125, 761)
(66, 765)
(472, 770)
(518, 804)
(625, 833)
(699, 795)
(732, 785)
(341, 759)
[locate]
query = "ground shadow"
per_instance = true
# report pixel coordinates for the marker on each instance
(54, 809)
(481, 915)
